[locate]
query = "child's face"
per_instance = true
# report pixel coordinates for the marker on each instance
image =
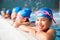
(43, 23)
(20, 19)
(13, 16)
(7, 16)
(3, 14)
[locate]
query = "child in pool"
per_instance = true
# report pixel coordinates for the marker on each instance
(23, 17)
(14, 13)
(8, 14)
(44, 18)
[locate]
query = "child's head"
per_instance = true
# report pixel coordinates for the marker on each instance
(23, 15)
(8, 13)
(3, 12)
(44, 18)
(14, 12)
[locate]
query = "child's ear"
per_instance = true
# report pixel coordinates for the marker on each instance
(50, 23)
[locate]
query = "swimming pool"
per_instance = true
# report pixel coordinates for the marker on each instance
(56, 27)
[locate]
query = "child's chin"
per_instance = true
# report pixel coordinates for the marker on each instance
(42, 29)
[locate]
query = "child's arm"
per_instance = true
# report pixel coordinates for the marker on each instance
(27, 29)
(15, 24)
(51, 34)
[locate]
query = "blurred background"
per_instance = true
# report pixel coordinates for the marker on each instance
(33, 4)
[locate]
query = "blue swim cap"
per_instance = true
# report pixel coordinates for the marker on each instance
(47, 9)
(25, 12)
(16, 9)
(43, 14)
(9, 11)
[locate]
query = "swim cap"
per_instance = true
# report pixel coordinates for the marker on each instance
(16, 9)
(25, 12)
(48, 10)
(9, 11)
(45, 12)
